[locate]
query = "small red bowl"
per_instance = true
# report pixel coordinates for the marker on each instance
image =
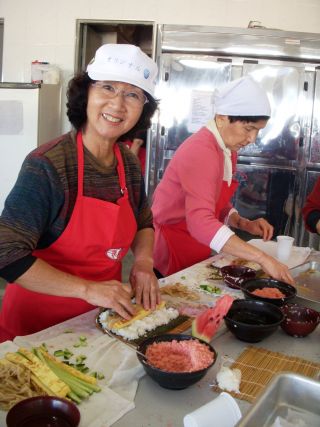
(299, 321)
(235, 275)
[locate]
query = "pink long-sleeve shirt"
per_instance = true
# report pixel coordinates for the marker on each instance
(189, 190)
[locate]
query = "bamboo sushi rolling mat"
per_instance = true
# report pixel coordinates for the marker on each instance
(182, 327)
(258, 366)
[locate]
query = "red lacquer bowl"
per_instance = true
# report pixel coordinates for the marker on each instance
(235, 275)
(299, 321)
(43, 411)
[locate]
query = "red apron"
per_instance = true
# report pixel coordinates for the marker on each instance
(97, 237)
(184, 250)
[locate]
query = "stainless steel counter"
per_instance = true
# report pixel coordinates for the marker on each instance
(158, 407)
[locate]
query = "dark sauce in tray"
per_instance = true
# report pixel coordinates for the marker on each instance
(252, 318)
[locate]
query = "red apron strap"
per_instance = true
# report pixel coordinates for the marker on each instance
(226, 195)
(121, 172)
(80, 163)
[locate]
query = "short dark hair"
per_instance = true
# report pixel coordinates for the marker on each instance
(247, 119)
(77, 96)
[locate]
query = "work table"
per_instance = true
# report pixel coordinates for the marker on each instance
(156, 406)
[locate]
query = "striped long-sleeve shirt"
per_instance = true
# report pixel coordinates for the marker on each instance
(40, 204)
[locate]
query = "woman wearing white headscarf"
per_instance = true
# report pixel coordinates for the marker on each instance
(191, 206)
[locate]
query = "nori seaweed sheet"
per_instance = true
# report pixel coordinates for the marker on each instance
(160, 330)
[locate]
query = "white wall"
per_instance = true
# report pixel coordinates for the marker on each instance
(46, 29)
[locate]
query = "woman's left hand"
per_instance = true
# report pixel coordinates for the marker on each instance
(259, 227)
(145, 284)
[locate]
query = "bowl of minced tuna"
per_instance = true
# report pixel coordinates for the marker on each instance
(176, 361)
(268, 290)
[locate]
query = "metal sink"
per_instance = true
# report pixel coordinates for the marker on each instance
(286, 394)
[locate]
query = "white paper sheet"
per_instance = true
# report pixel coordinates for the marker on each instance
(117, 362)
(297, 257)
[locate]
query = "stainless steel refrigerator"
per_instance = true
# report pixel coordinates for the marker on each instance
(276, 172)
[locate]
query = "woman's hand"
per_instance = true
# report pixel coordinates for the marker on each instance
(275, 269)
(111, 294)
(145, 284)
(257, 227)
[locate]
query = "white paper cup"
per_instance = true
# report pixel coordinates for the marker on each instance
(221, 412)
(284, 247)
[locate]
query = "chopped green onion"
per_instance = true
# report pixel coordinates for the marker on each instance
(100, 376)
(58, 353)
(211, 289)
(80, 358)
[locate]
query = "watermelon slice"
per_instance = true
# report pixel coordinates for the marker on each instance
(206, 324)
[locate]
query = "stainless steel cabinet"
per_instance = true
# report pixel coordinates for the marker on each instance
(273, 172)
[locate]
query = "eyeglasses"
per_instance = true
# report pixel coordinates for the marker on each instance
(131, 97)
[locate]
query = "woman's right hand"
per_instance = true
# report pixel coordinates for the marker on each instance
(111, 294)
(275, 269)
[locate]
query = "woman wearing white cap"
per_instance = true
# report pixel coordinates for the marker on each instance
(79, 204)
(191, 205)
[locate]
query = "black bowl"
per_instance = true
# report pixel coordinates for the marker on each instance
(235, 275)
(251, 285)
(299, 321)
(43, 411)
(252, 321)
(173, 380)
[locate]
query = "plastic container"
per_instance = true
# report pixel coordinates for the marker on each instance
(43, 72)
(284, 247)
(222, 411)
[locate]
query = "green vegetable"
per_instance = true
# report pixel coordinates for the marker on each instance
(81, 385)
(211, 289)
(100, 376)
(46, 378)
(80, 358)
(97, 375)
